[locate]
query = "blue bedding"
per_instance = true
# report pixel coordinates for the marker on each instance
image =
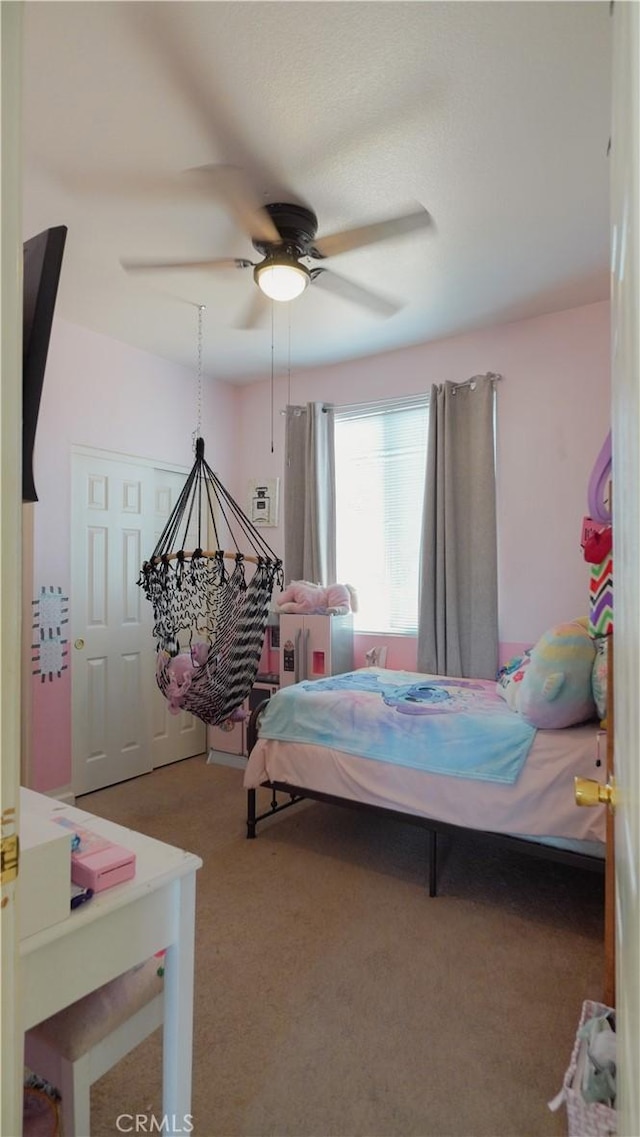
(459, 727)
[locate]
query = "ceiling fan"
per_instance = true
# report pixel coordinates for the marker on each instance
(284, 233)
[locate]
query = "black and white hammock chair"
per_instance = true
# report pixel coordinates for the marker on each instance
(209, 619)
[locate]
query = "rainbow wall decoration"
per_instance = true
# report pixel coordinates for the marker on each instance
(597, 540)
(601, 598)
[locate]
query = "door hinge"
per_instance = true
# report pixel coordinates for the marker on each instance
(10, 858)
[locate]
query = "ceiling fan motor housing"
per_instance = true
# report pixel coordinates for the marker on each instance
(297, 227)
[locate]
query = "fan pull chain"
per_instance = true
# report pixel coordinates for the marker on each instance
(272, 376)
(198, 430)
(289, 358)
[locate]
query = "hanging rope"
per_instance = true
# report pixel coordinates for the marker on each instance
(198, 428)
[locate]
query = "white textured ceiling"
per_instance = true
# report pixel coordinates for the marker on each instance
(494, 116)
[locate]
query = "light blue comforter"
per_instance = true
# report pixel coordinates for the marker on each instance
(459, 727)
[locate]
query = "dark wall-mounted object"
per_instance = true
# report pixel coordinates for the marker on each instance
(42, 257)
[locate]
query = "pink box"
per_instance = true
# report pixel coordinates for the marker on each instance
(97, 863)
(103, 869)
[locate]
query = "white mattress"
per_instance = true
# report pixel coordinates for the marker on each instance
(540, 805)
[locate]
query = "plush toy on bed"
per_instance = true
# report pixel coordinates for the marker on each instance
(316, 599)
(555, 688)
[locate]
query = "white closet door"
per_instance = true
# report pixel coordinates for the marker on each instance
(120, 724)
(112, 656)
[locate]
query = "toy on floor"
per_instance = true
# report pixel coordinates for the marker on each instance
(302, 596)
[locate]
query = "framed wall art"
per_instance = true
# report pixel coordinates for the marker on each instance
(263, 501)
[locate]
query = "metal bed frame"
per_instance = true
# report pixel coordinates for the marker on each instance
(432, 826)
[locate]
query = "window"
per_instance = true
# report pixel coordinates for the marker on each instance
(380, 470)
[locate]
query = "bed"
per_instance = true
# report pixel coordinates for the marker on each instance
(313, 740)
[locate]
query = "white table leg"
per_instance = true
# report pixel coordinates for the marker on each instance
(178, 1015)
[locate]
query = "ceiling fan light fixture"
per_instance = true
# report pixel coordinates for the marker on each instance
(281, 279)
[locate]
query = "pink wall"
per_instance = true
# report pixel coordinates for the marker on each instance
(98, 392)
(553, 415)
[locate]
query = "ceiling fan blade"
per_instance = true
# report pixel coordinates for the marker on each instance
(212, 263)
(232, 185)
(255, 312)
(349, 239)
(164, 34)
(340, 286)
(136, 186)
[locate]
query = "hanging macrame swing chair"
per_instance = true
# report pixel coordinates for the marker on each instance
(209, 619)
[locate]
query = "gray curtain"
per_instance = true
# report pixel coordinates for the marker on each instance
(310, 494)
(458, 608)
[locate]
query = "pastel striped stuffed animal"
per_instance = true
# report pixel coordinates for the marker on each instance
(556, 690)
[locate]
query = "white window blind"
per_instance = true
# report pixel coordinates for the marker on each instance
(380, 470)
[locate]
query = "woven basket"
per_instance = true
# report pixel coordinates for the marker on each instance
(587, 1119)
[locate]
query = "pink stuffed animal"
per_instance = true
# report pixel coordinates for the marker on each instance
(180, 669)
(303, 596)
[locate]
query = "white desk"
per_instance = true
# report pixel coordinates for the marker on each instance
(117, 929)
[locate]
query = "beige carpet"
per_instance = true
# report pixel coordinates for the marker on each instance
(334, 998)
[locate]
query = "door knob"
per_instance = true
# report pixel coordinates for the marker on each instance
(590, 792)
(78, 644)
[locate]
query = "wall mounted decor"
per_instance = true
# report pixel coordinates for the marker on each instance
(51, 612)
(263, 501)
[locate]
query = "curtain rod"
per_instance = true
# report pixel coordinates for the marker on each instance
(405, 400)
(298, 410)
(494, 376)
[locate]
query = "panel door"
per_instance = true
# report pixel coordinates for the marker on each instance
(121, 724)
(625, 301)
(112, 659)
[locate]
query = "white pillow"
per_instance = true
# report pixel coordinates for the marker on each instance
(510, 675)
